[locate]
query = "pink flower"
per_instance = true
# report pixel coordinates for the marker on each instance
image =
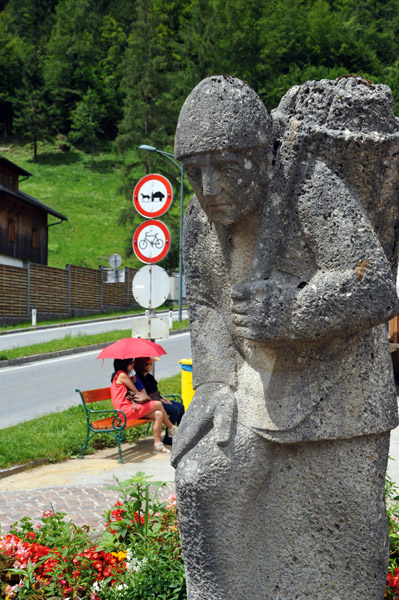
(172, 502)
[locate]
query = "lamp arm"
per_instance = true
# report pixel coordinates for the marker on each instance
(170, 156)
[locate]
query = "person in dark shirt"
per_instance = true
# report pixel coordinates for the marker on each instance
(174, 410)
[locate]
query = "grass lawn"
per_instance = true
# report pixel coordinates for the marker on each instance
(91, 199)
(119, 313)
(95, 201)
(78, 341)
(58, 436)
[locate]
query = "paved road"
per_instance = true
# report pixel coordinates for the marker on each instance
(34, 389)
(26, 338)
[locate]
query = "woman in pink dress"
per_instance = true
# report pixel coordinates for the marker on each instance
(140, 406)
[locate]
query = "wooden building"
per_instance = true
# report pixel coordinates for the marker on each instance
(23, 219)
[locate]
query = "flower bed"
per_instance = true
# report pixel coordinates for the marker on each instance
(137, 556)
(392, 587)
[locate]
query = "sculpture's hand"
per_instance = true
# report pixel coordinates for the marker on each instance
(259, 309)
(213, 404)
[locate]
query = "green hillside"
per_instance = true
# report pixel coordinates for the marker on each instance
(101, 219)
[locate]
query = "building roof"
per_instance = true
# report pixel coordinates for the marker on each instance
(26, 199)
(16, 168)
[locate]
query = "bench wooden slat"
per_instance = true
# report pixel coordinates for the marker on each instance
(107, 423)
(97, 395)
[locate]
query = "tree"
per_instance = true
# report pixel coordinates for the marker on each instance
(86, 122)
(12, 55)
(235, 33)
(33, 20)
(147, 83)
(109, 74)
(32, 120)
(72, 57)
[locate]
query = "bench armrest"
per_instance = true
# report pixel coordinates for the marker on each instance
(175, 397)
(120, 418)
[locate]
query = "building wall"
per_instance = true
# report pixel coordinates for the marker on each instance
(30, 230)
(9, 177)
(12, 262)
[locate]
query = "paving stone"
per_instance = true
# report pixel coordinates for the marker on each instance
(84, 505)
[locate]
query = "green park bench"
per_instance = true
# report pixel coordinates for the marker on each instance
(113, 421)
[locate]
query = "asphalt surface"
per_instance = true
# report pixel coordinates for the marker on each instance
(48, 385)
(35, 335)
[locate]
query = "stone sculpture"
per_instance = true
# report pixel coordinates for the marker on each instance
(289, 245)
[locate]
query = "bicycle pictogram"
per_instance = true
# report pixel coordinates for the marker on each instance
(152, 239)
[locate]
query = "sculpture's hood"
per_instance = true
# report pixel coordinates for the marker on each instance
(221, 113)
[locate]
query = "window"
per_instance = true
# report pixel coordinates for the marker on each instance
(35, 238)
(11, 230)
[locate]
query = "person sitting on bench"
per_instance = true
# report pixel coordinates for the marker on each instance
(138, 405)
(175, 410)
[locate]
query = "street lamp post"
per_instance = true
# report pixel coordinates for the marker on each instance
(171, 157)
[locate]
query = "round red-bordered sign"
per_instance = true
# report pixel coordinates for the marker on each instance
(151, 241)
(153, 196)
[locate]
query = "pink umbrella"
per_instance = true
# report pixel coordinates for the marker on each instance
(132, 348)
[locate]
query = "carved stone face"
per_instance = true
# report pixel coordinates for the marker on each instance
(228, 184)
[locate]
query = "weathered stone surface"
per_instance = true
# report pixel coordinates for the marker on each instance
(288, 249)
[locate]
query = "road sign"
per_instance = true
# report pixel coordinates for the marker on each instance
(153, 196)
(115, 261)
(151, 328)
(150, 286)
(151, 241)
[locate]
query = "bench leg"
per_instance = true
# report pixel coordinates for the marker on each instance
(119, 438)
(84, 446)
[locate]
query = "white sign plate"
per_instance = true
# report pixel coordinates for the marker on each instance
(153, 196)
(151, 328)
(150, 286)
(115, 261)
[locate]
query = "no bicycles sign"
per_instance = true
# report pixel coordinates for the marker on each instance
(151, 241)
(153, 196)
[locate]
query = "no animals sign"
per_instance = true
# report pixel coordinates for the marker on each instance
(153, 196)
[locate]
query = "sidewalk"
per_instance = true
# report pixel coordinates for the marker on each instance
(79, 487)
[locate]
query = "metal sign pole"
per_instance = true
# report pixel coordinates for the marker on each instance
(171, 157)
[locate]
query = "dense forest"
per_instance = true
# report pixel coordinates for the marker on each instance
(119, 70)
(113, 74)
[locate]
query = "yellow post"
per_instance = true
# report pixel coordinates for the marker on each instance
(187, 391)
